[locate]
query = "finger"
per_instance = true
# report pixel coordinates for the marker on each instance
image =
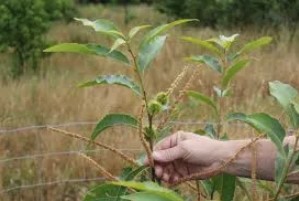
(168, 155)
(166, 176)
(158, 171)
(146, 161)
(169, 141)
(174, 178)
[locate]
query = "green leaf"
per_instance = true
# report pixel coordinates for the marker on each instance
(286, 95)
(113, 120)
(147, 196)
(203, 99)
(205, 44)
(207, 186)
(280, 164)
(255, 44)
(163, 28)
(232, 71)
(103, 26)
(127, 175)
(132, 173)
(107, 192)
(223, 41)
(150, 187)
(148, 51)
(121, 80)
(242, 186)
(222, 93)
(264, 123)
(228, 188)
(210, 61)
(210, 131)
(225, 184)
(92, 49)
(135, 30)
(117, 43)
(264, 185)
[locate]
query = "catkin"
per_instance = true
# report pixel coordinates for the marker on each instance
(112, 149)
(103, 171)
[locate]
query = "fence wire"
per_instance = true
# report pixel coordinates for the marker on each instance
(90, 123)
(26, 129)
(51, 183)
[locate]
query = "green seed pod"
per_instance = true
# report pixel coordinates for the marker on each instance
(162, 98)
(154, 107)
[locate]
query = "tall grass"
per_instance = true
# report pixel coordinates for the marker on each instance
(52, 97)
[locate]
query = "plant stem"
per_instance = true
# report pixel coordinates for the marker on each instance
(149, 116)
(220, 99)
(198, 190)
(286, 169)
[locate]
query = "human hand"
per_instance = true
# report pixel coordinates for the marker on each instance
(184, 153)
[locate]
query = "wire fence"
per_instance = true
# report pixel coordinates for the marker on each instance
(90, 123)
(10, 132)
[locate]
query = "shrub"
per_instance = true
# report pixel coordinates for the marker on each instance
(138, 183)
(23, 25)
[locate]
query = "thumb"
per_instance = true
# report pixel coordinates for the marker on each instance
(168, 155)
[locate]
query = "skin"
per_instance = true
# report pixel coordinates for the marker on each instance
(184, 153)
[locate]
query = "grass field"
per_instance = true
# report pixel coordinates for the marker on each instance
(51, 97)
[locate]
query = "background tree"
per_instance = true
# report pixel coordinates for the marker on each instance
(23, 25)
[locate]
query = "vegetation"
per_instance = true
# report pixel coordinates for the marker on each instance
(51, 98)
(23, 25)
(273, 14)
(227, 64)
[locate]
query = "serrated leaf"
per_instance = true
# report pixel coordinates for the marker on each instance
(210, 61)
(255, 44)
(286, 95)
(121, 80)
(104, 26)
(135, 30)
(203, 99)
(207, 45)
(266, 124)
(231, 72)
(113, 120)
(117, 43)
(148, 51)
(92, 49)
(163, 28)
(107, 192)
(150, 187)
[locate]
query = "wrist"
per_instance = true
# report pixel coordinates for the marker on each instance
(228, 151)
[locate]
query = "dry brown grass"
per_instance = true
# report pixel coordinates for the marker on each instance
(52, 97)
